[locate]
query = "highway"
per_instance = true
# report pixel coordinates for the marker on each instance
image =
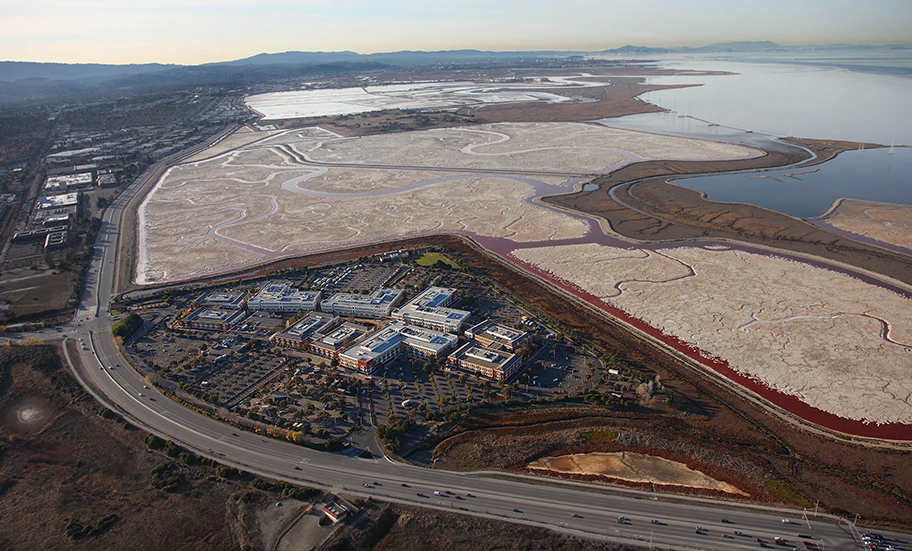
(573, 508)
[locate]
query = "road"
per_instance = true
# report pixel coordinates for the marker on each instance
(573, 508)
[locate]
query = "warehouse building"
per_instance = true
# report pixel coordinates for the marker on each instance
(498, 365)
(282, 297)
(495, 335)
(376, 305)
(429, 309)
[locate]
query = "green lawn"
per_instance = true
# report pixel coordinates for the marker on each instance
(429, 259)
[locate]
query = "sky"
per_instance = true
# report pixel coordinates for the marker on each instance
(200, 31)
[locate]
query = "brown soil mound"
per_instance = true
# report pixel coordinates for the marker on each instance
(633, 467)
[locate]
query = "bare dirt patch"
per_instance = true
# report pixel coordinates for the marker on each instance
(29, 293)
(633, 467)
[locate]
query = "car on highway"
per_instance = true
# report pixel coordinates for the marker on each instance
(700, 530)
(726, 521)
(419, 494)
(740, 533)
(469, 495)
(366, 485)
(438, 494)
(623, 520)
(404, 485)
(515, 510)
(658, 522)
(576, 515)
(728, 536)
(141, 395)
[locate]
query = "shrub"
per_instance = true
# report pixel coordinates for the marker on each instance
(784, 491)
(154, 443)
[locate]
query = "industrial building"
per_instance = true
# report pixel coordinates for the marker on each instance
(300, 333)
(213, 319)
(498, 365)
(376, 305)
(495, 335)
(429, 309)
(63, 183)
(58, 201)
(282, 297)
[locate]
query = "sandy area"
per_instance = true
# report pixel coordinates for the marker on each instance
(263, 200)
(633, 467)
(881, 221)
(837, 343)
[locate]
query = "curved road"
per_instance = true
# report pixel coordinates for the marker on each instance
(573, 508)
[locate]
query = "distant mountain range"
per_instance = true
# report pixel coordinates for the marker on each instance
(13, 71)
(746, 46)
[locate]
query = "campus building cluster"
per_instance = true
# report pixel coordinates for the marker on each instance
(425, 328)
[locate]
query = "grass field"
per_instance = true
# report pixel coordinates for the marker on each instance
(429, 259)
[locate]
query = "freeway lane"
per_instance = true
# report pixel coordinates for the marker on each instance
(570, 507)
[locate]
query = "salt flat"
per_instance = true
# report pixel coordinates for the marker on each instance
(837, 343)
(419, 95)
(264, 199)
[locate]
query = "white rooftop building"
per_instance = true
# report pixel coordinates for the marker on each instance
(428, 309)
(55, 184)
(57, 201)
(282, 297)
(375, 305)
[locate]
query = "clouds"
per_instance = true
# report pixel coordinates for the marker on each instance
(196, 31)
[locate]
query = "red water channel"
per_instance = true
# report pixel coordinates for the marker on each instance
(789, 403)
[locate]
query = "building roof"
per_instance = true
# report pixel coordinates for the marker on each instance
(308, 326)
(486, 357)
(425, 338)
(348, 331)
(214, 315)
(496, 332)
(426, 307)
(283, 293)
(375, 345)
(56, 201)
(380, 297)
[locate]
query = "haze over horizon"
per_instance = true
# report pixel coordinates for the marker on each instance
(202, 31)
